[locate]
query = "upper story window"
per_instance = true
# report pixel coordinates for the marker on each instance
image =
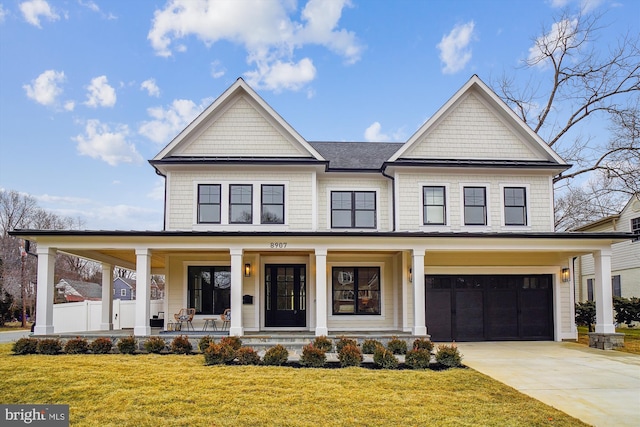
(515, 206)
(272, 204)
(209, 202)
(353, 209)
(475, 206)
(433, 205)
(240, 204)
(635, 228)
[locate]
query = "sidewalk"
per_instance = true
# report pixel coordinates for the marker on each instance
(11, 336)
(599, 387)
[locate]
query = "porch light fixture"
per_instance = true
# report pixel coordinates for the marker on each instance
(247, 270)
(565, 274)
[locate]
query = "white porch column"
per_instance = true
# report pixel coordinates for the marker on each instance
(321, 292)
(419, 306)
(45, 290)
(143, 292)
(236, 293)
(106, 322)
(603, 292)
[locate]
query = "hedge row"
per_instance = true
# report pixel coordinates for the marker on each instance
(102, 345)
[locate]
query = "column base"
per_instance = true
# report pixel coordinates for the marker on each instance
(142, 331)
(236, 331)
(322, 332)
(606, 341)
(106, 326)
(420, 331)
(43, 330)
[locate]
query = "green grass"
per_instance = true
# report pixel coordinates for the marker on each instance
(178, 390)
(14, 326)
(631, 339)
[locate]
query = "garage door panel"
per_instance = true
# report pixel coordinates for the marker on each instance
(536, 314)
(502, 314)
(469, 315)
(439, 315)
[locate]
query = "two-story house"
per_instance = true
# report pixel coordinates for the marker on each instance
(450, 234)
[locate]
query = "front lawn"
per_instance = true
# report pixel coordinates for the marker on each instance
(631, 338)
(14, 326)
(155, 390)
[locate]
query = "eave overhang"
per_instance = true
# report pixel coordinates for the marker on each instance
(477, 163)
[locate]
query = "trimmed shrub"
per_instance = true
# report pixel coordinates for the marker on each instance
(449, 356)
(204, 342)
(234, 342)
(181, 345)
(397, 346)
(418, 358)
(422, 344)
(276, 355)
(350, 355)
(219, 354)
(323, 343)
(127, 345)
(586, 314)
(369, 346)
(25, 346)
(384, 358)
(247, 356)
(313, 357)
(49, 346)
(76, 346)
(627, 310)
(343, 341)
(101, 345)
(155, 345)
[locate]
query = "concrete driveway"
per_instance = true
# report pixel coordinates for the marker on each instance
(599, 387)
(11, 336)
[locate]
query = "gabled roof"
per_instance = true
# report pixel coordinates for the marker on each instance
(239, 89)
(361, 156)
(479, 88)
(88, 290)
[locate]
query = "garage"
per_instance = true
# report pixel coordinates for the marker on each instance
(489, 307)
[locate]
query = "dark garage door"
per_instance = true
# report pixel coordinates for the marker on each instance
(478, 307)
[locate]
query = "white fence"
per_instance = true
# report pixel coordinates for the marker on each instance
(86, 316)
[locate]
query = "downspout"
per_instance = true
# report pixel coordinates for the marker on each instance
(393, 195)
(164, 204)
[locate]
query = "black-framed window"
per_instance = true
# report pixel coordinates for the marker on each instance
(209, 202)
(590, 289)
(353, 209)
(616, 286)
(475, 206)
(356, 290)
(272, 204)
(635, 228)
(515, 206)
(433, 205)
(240, 204)
(209, 289)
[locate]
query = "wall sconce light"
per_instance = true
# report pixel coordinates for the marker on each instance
(410, 275)
(565, 274)
(247, 270)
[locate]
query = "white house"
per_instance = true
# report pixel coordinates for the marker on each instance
(450, 234)
(625, 256)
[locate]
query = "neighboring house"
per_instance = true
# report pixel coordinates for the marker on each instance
(450, 234)
(625, 256)
(76, 290)
(125, 289)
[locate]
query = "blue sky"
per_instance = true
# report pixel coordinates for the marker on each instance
(90, 90)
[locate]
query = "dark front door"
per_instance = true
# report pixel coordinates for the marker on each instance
(286, 295)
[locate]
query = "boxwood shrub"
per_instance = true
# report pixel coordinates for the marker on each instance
(76, 346)
(422, 344)
(384, 358)
(323, 343)
(49, 346)
(25, 346)
(247, 356)
(276, 355)
(343, 341)
(234, 342)
(181, 345)
(102, 345)
(204, 342)
(418, 358)
(448, 356)
(397, 346)
(369, 346)
(219, 354)
(350, 355)
(127, 345)
(313, 356)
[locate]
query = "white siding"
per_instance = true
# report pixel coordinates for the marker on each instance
(242, 130)
(471, 131)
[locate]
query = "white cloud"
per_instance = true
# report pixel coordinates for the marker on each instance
(559, 3)
(216, 70)
(101, 94)
(33, 10)
(374, 134)
(3, 13)
(151, 87)
(157, 192)
(551, 43)
(111, 146)
(454, 48)
(264, 28)
(90, 5)
(586, 6)
(168, 122)
(45, 88)
(69, 105)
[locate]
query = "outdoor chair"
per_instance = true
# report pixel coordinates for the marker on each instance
(226, 318)
(185, 315)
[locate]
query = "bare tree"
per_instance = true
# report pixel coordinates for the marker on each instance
(571, 86)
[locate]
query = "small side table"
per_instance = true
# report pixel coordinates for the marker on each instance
(209, 321)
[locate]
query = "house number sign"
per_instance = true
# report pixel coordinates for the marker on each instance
(278, 245)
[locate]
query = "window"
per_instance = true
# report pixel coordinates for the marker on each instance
(635, 228)
(209, 289)
(240, 204)
(433, 205)
(356, 290)
(616, 286)
(209, 203)
(515, 206)
(272, 204)
(123, 292)
(475, 206)
(353, 209)
(589, 289)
